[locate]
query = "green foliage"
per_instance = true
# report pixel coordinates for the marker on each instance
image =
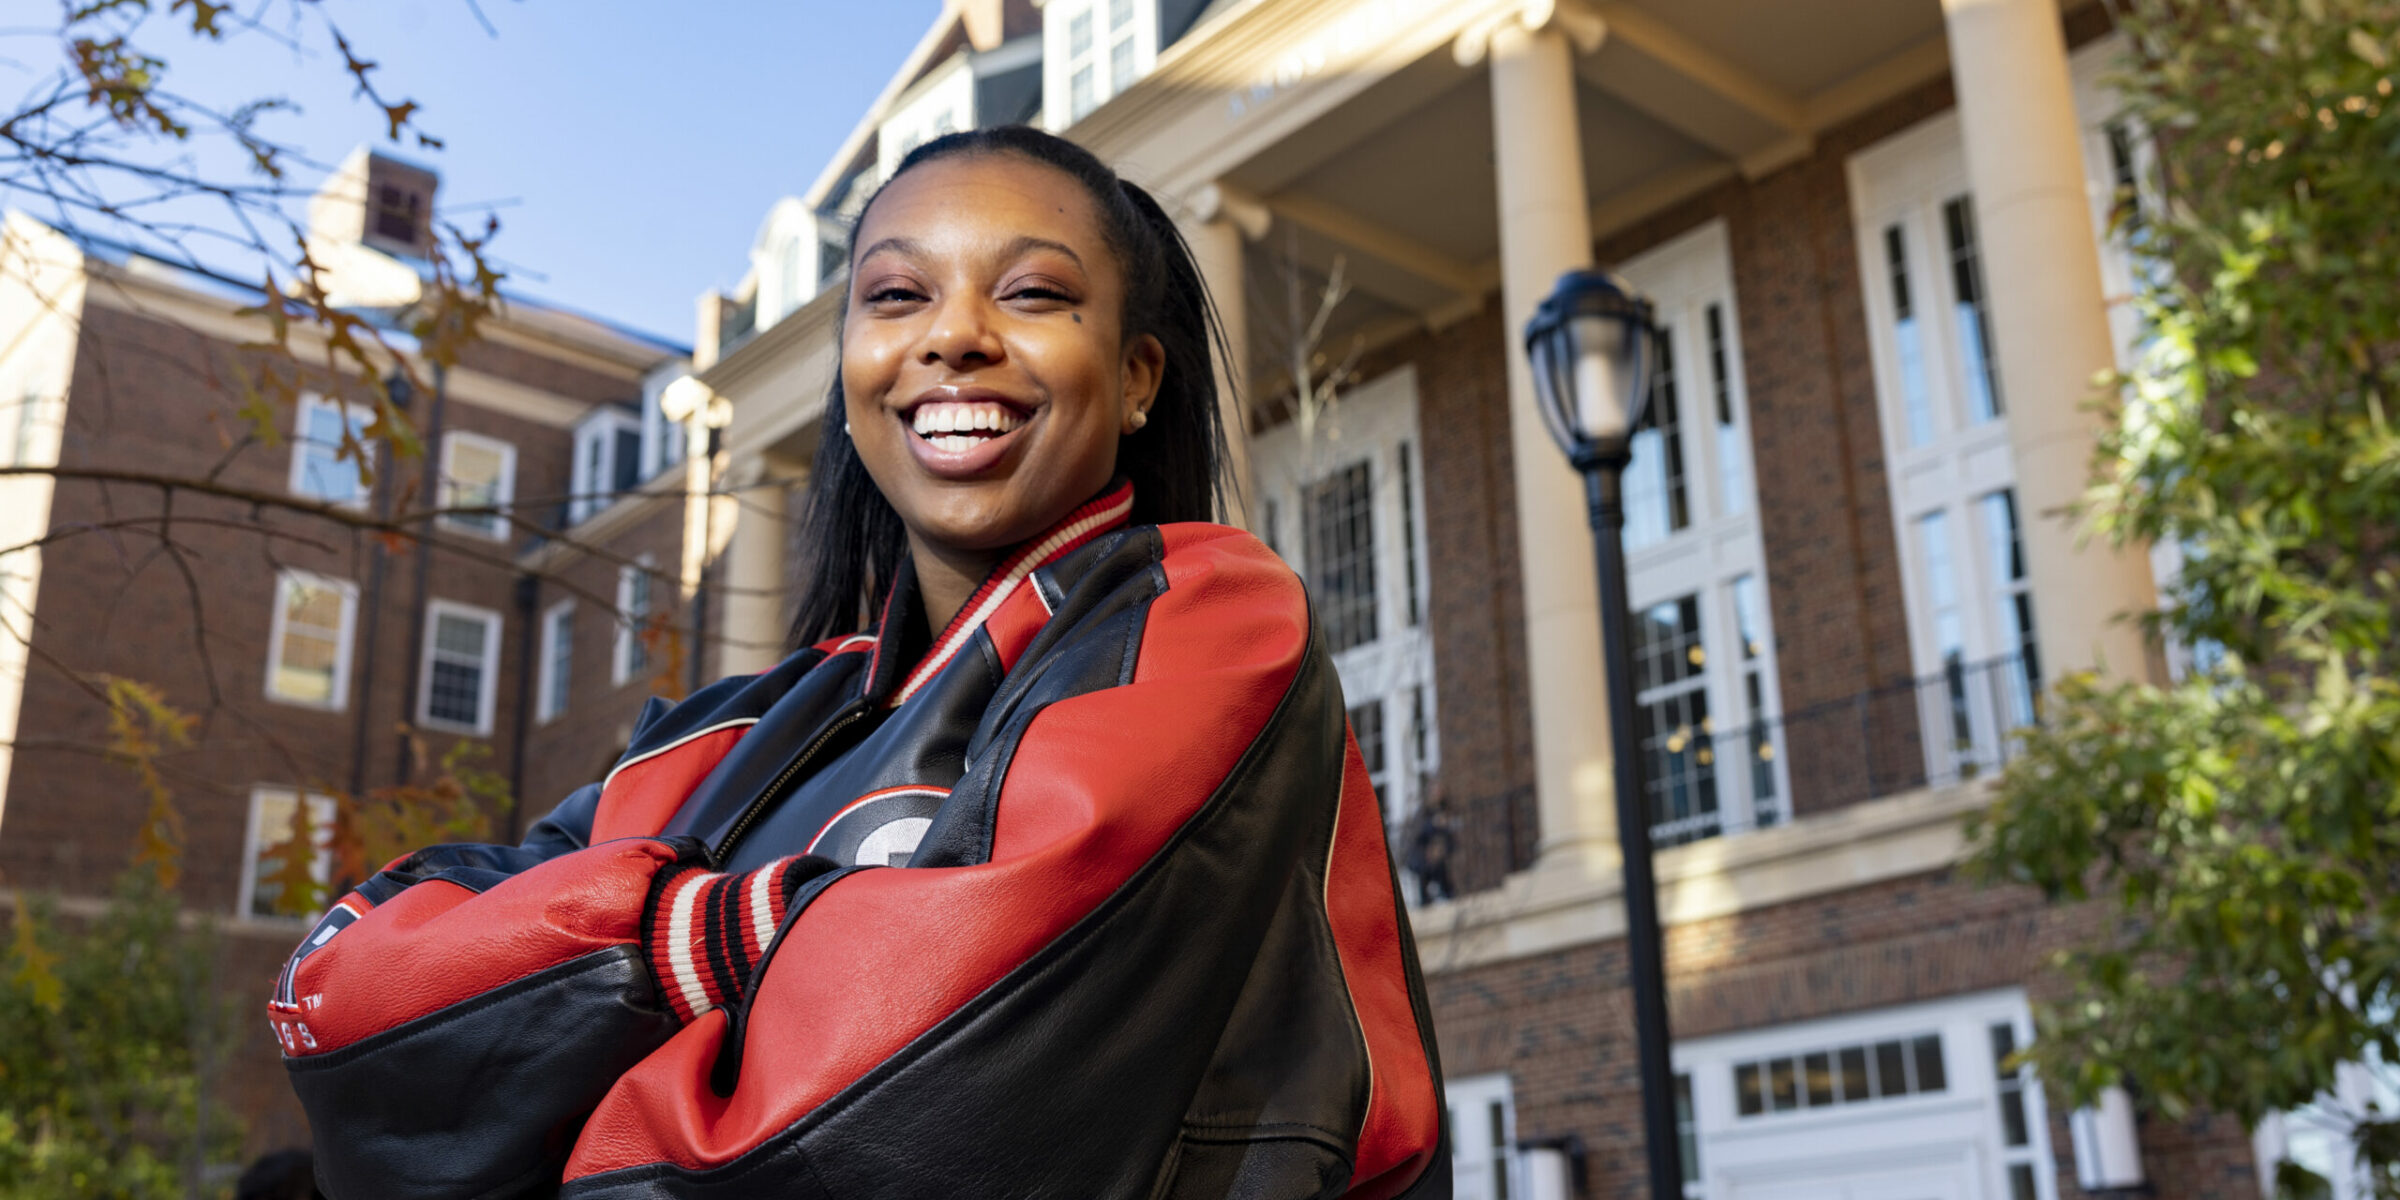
(2246, 820)
(109, 1032)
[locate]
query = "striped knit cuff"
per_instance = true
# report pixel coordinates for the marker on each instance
(707, 931)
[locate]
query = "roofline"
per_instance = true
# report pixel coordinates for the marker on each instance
(868, 121)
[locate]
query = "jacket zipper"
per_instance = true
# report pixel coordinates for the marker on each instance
(758, 806)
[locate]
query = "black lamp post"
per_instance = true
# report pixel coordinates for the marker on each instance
(1590, 345)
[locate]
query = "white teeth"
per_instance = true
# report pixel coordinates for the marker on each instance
(959, 417)
(955, 443)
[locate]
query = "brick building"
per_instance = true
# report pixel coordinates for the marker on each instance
(304, 647)
(1876, 234)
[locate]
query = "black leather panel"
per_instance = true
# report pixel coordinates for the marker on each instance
(482, 1099)
(1293, 1044)
(1020, 1093)
(787, 728)
(1269, 1166)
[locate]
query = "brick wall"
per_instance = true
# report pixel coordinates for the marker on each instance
(149, 396)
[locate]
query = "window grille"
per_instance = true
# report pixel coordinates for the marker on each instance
(1340, 548)
(1974, 321)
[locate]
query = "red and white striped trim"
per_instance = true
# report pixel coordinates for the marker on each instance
(647, 755)
(1107, 512)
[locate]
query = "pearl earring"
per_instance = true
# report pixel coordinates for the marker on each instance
(1139, 419)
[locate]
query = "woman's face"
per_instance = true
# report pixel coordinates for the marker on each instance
(984, 364)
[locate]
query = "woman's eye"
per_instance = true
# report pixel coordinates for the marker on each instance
(893, 294)
(1040, 293)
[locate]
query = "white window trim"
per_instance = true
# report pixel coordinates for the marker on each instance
(620, 671)
(1720, 545)
(487, 685)
(1370, 422)
(546, 672)
(297, 473)
(285, 580)
(1058, 71)
(1781, 1147)
(251, 847)
(504, 496)
(588, 496)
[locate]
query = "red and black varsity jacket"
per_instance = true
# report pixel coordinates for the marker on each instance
(1088, 897)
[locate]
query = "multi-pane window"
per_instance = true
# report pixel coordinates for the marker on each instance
(2013, 1084)
(1840, 1075)
(1733, 443)
(1339, 542)
(1696, 561)
(1982, 370)
(1339, 503)
(282, 820)
(558, 660)
(1672, 723)
(608, 461)
(632, 657)
(1908, 339)
(1483, 1131)
(1366, 724)
(1758, 744)
(479, 475)
(1099, 47)
(1656, 501)
(1949, 627)
(462, 658)
(2013, 595)
(319, 471)
(308, 640)
(1687, 1135)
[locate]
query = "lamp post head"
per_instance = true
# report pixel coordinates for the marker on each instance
(1589, 345)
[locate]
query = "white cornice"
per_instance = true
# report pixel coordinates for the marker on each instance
(1553, 908)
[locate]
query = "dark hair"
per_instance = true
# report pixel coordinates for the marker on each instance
(851, 538)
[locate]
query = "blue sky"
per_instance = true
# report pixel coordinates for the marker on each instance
(632, 148)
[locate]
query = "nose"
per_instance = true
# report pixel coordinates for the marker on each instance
(961, 336)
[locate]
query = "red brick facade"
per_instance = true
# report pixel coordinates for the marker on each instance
(150, 396)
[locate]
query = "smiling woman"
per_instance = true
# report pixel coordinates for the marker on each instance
(1061, 878)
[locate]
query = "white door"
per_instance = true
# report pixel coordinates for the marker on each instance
(1483, 1138)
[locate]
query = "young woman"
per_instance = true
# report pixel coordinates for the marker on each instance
(1062, 879)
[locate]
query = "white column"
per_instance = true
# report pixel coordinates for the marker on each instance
(1545, 230)
(756, 575)
(2008, 59)
(1221, 224)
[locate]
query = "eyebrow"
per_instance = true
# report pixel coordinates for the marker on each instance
(911, 248)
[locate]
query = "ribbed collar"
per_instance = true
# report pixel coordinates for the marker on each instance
(1104, 512)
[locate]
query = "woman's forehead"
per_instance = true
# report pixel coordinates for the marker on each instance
(983, 200)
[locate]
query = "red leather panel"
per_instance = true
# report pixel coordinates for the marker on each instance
(427, 948)
(1014, 623)
(1404, 1116)
(639, 798)
(1097, 785)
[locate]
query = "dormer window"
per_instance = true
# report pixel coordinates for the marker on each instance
(1097, 48)
(399, 214)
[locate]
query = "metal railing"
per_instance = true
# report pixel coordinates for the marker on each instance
(1950, 727)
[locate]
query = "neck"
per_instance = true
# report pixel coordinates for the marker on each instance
(946, 578)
